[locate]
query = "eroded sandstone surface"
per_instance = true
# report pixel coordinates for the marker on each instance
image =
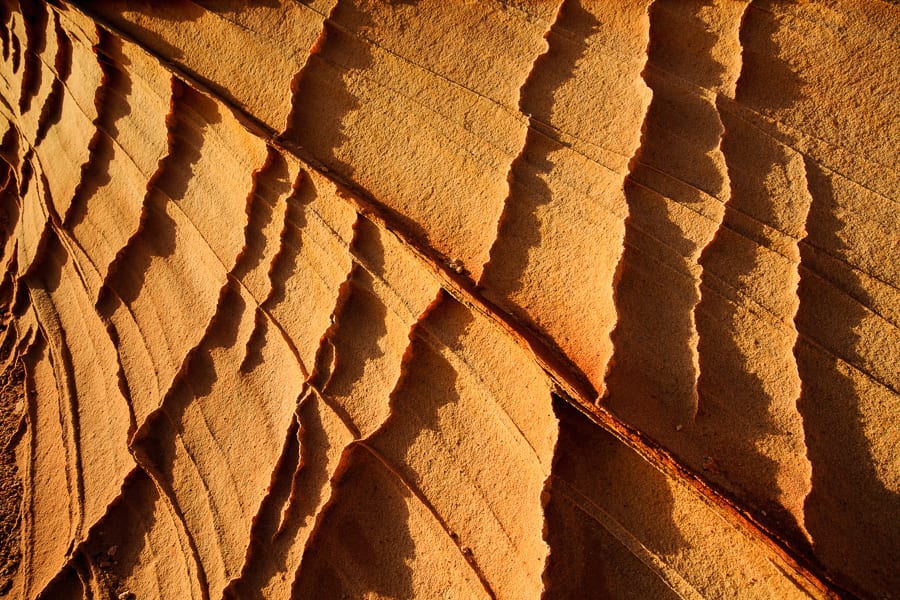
(496, 299)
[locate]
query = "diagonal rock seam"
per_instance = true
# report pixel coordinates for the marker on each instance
(371, 249)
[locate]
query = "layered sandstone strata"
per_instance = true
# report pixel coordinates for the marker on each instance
(451, 300)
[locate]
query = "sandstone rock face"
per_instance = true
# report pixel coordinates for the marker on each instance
(496, 299)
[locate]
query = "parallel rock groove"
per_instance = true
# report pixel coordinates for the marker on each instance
(313, 298)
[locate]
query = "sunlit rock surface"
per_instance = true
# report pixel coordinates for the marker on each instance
(500, 299)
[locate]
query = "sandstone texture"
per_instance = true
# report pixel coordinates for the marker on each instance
(450, 299)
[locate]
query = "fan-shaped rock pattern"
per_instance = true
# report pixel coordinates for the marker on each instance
(504, 299)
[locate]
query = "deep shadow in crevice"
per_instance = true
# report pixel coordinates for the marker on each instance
(192, 112)
(266, 555)
(519, 228)
(16, 49)
(156, 236)
(652, 377)
(159, 446)
(5, 29)
(253, 355)
(299, 484)
(69, 584)
(361, 327)
(367, 541)
(350, 356)
(597, 483)
(284, 265)
(851, 514)
(322, 99)
(567, 46)
(680, 138)
(729, 390)
(270, 183)
(9, 206)
(26, 173)
(767, 82)
(111, 103)
(226, 6)
(51, 111)
(9, 149)
(363, 545)
(117, 547)
(682, 41)
(35, 15)
(747, 370)
(12, 396)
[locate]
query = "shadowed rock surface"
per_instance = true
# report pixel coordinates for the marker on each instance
(429, 299)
